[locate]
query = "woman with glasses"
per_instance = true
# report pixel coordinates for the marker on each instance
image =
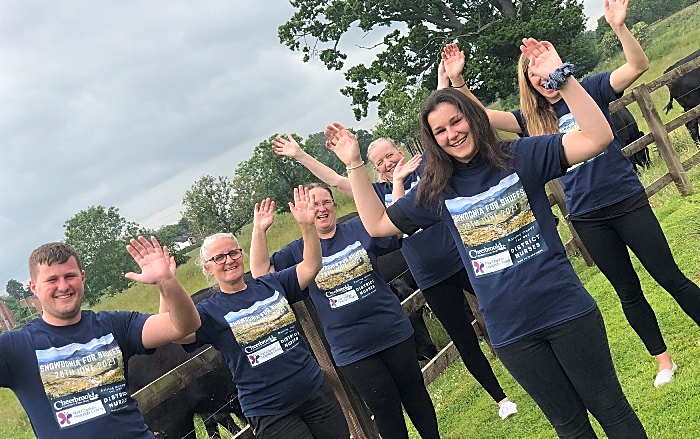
(439, 271)
(369, 335)
(281, 388)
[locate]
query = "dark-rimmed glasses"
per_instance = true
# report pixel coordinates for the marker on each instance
(221, 259)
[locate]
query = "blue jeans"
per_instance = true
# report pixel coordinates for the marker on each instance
(320, 417)
(568, 371)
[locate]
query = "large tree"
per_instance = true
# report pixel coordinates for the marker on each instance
(17, 289)
(100, 236)
(208, 206)
(489, 32)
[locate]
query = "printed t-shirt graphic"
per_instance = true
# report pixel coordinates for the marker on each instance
(497, 227)
(346, 276)
(83, 381)
(389, 198)
(265, 330)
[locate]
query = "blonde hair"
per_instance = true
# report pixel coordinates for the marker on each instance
(377, 176)
(537, 112)
(204, 251)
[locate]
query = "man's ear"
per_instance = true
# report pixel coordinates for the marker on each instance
(32, 286)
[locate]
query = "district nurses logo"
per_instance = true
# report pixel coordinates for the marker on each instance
(65, 418)
(334, 303)
(478, 267)
(254, 359)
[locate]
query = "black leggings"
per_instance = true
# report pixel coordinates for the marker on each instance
(389, 378)
(447, 301)
(568, 371)
(607, 241)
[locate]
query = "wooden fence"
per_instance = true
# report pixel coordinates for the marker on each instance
(356, 413)
(658, 133)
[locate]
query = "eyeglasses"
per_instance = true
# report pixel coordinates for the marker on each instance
(323, 203)
(221, 259)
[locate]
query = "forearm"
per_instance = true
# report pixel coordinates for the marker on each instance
(397, 191)
(259, 254)
(311, 262)
(325, 174)
(636, 61)
(595, 133)
(182, 311)
(369, 206)
(501, 120)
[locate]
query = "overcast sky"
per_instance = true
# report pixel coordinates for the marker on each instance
(127, 103)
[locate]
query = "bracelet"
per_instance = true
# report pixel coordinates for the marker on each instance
(463, 84)
(350, 168)
(559, 76)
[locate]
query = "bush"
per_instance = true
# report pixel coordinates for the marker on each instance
(609, 45)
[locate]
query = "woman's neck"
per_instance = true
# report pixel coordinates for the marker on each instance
(233, 287)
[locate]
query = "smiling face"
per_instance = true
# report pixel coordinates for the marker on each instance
(538, 84)
(324, 210)
(384, 157)
(452, 132)
(60, 289)
(229, 275)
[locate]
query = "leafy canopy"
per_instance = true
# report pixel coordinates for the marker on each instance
(489, 32)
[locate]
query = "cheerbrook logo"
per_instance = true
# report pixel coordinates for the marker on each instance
(76, 400)
(477, 253)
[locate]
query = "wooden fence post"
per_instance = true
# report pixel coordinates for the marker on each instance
(663, 142)
(356, 413)
(558, 194)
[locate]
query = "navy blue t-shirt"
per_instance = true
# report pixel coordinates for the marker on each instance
(509, 242)
(257, 334)
(431, 253)
(605, 179)
(359, 313)
(71, 380)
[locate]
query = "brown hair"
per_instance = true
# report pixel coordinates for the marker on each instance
(321, 186)
(48, 254)
(537, 112)
(438, 166)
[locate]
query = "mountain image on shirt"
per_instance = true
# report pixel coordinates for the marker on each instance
(343, 266)
(493, 214)
(79, 367)
(261, 319)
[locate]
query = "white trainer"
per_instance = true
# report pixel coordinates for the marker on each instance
(665, 376)
(507, 409)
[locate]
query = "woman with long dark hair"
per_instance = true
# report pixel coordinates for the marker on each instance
(546, 328)
(606, 202)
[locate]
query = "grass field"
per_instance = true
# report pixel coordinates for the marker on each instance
(463, 407)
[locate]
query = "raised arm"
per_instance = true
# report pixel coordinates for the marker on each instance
(263, 217)
(372, 213)
(637, 61)
(182, 318)
(290, 148)
(595, 133)
(303, 212)
(453, 59)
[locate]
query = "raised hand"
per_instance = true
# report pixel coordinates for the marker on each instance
(404, 168)
(453, 59)
(303, 207)
(544, 59)
(153, 259)
(343, 143)
(616, 12)
(264, 214)
(287, 147)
